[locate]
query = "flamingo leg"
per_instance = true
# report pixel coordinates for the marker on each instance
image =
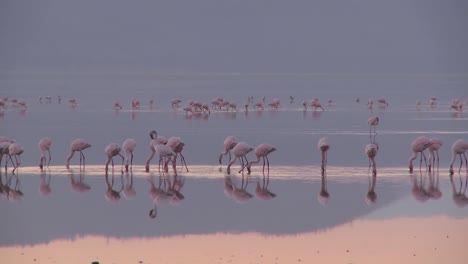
(50, 158)
(182, 160)
(121, 168)
(268, 165)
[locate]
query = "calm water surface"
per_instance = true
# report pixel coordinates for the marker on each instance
(58, 209)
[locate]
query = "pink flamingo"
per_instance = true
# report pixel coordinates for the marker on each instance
(259, 106)
(135, 103)
(129, 146)
(177, 145)
(316, 104)
(383, 101)
(16, 150)
(240, 151)
(175, 103)
(418, 145)
(261, 151)
(160, 140)
(371, 151)
(113, 150)
(117, 106)
(373, 122)
(229, 143)
(164, 152)
(324, 146)
(79, 145)
(44, 145)
(73, 101)
(434, 147)
(4, 150)
(459, 147)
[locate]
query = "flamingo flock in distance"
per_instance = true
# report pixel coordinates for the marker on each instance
(169, 150)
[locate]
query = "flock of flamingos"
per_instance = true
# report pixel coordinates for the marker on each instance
(170, 149)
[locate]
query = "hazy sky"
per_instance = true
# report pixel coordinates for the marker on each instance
(358, 36)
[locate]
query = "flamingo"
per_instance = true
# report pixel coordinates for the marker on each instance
(164, 152)
(129, 146)
(418, 145)
(261, 151)
(383, 101)
(175, 103)
(113, 150)
(117, 106)
(4, 150)
(44, 145)
(160, 140)
(459, 147)
(16, 150)
(228, 143)
(316, 104)
(78, 144)
(373, 121)
(240, 151)
(323, 146)
(436, 144)
(177, 145)
(371, 151)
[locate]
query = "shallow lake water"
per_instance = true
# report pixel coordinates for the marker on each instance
(294, 214)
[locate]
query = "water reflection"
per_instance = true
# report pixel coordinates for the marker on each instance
(44, 186)
(459, 193)
(324, 195)
(261, 191)
(129, 191)
(10, 190)
(78, 186)
(233, 191)
(371, 196)
(111, 194)
(167, 191)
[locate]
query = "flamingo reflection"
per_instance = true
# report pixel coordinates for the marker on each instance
(434, 190)
(238, 194)
(323, 194)
(13, 192)
(418, 191)
(44, 186)
(262, 192)
(111, 194)
(459, 194)
(78, 186)
(371, 196)
(128, 191)
(158, 194)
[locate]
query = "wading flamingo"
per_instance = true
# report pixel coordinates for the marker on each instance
(323, 146)
(261, 151)
(4, 150)
(79, 145)
(44, 145)
(160, 140)
(177, 145)
(229, 144)
(113, 150)
(316, 104)
(434, 148)
(459, 147)
(418, 145)
(129, 146)
(371, 151)
(16, 150)
(164, 152)
(373, 121)
(240, 151)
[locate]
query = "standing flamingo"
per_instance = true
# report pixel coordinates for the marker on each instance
(323, 146)
(164, 152)
(113, 150)
(16, 150)
(459, 147)
(177, 145)
(160, 140)
(383, 101)
(316, 104)
(373, 122)
(228, 143)
(418, 145)
(78, 144)
(175, 103)
(436, 144)
(371, 151)
(261, 151)
(240, 151)
(129, 146)
(4, 150)
(44, 145)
